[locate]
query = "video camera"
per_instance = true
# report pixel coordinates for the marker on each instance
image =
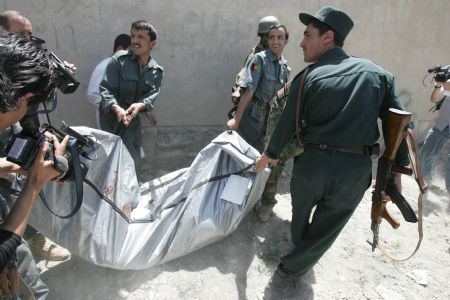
(441, 74)
(23, 147)
(67, 83)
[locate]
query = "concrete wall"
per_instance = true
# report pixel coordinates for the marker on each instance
(202, 44)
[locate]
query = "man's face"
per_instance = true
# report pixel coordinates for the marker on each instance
(277, 41)
(9, 118)
(313, 44)
(140, 42)
(265, 40)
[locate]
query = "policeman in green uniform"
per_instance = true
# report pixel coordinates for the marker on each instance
(341, 99)
(131, 84)
(266, 73)
(263, 29)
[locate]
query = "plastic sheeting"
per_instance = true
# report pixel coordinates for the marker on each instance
(122, 225)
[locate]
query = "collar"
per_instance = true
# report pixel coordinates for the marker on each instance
(332, 54)
(151, 63)
(273, 58)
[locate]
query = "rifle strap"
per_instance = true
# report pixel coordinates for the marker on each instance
(298, 116)
(413, 151)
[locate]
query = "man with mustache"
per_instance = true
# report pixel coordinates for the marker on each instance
(130, 86)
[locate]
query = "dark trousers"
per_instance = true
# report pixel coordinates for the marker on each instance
(335, 183)
(131, 135)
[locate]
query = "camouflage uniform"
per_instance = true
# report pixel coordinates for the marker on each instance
(272, 111)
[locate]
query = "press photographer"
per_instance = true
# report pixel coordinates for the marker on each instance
(27, 77)
(439, 134)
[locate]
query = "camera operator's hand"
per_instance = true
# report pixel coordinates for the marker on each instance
(71, 66)
(40, 172)
(134, 110)
(8, 167)
(59, 148)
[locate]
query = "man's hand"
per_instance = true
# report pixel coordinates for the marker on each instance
(121, 114)
(8, 167)
(71, 66)
(58, 147)
(262, 162)
(233, 124)
(236, 95)
(41, 171)
(134, 110)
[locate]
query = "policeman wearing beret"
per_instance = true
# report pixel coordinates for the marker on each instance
(342, 98)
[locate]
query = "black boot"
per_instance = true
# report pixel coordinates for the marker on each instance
(282, 286)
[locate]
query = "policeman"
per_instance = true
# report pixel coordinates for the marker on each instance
(263, 29)
(266, 73)
(130, 86)
(341, 99)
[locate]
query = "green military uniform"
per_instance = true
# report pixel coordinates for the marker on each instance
(291, 150)
(125, 83)
(264, 75)
(342, 98)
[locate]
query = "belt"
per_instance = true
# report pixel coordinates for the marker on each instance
(359, 150)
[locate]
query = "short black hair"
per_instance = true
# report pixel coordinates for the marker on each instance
(322, 27)
(24, 68)
(122, 40)
(278, 27)
(144, 25)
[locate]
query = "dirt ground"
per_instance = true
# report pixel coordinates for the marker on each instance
(240, 266)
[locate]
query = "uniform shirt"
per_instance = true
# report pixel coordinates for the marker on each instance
(240, 76)
(265, 75)
(125, 83)
(443, 120)
(342, 99)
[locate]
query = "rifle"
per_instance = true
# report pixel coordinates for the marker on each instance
(397, 121)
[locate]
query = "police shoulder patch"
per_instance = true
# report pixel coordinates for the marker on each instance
(256, 67)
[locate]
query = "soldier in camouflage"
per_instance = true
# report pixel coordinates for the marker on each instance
(275, 108)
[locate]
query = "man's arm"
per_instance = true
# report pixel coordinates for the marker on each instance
(109, 90)
(437, 93)
(236, 94)
(93, 91)
(40, 172)
(146, 103)
(250, 83)
(233, 124)
(109, 86)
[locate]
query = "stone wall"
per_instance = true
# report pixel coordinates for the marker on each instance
(202, 44)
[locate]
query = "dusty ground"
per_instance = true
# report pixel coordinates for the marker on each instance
(239, 266)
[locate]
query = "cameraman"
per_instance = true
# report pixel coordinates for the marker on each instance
(26, 77)
(439, 134)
